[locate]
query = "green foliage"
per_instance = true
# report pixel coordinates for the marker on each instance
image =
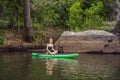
(82, 17)
(52, 12)
(35, 37)
(39, 36)
(3, 23)
(37, 26)
(61, 8)
(109, 7)
(1, 39)
(75, 16)
(93, 17)
(12, 13)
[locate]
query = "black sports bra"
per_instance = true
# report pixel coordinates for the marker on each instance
(50, 49)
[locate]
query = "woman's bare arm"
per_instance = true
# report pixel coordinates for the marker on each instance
(53, 47)
(48, 49)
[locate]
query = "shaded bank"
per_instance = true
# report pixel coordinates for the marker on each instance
(90, 41)
(13, 40)
(23, 48)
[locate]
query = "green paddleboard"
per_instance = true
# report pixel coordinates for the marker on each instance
(73, 55)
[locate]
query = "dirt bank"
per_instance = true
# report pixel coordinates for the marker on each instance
(13, 40)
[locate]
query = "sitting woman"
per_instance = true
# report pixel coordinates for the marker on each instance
(50, 47)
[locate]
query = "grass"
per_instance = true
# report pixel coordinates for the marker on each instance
(13, 37)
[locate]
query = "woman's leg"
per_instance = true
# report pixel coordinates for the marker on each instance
(47, 52)
(55, 52)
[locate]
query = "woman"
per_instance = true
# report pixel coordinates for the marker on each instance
(50, 47)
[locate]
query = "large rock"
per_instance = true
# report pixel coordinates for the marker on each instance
(89, 41)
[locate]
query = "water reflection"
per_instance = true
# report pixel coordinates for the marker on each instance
(87, 67)
(50, 64)
(14, 66)
(53, 64)
(70, 69)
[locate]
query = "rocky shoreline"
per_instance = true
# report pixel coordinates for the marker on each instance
(41, 48)
(90, 41)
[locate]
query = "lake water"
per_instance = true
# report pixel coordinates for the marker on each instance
(22, 66)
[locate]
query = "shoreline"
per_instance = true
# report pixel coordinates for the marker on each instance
(42, 49)
(13, 42)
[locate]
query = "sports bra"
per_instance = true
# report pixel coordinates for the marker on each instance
(50, 49)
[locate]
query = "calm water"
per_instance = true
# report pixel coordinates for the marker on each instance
(21, 66)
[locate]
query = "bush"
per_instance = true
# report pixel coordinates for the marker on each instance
(1, 39)
(37, 26)
(81, 17)
(75, 16)
(11, 13)
(3, 23)
(52, 12)
(93, 17)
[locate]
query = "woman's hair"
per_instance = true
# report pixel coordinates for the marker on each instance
(49, 39)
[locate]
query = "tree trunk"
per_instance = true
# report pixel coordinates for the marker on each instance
(116, 29)
(28, 31)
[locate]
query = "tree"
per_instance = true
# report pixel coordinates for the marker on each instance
(93, 15)
(75, 16)
(28, 31)
(116, 29)
(85, 17)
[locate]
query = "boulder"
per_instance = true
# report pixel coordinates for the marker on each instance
(89, 41)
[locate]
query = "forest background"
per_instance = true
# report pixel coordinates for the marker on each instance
(52, 17)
